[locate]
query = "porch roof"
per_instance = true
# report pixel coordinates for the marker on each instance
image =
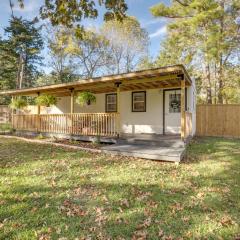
(163, 77)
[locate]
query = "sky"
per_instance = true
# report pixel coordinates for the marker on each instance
(156, 27)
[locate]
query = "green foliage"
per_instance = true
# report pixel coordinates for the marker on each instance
(69, 12)
(204, 36)
(18, 103)
(128, 43)
(85, 98)
(40, 136)
(20, 52)
(46, 100)
(91, 53)
(59, 41)
(5, 127)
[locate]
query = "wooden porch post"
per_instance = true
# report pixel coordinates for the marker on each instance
(72, 110)
(118, 108)
(72, 100)
(12, 120)
(38, 106)
(183, 117)
(38, 115)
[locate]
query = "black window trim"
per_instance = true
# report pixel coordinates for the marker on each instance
(145, 101)
(106, 96)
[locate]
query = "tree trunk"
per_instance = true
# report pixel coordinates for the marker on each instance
(220, 83)
(220, 71)
(209, 87)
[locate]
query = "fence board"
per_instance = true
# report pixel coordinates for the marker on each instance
(221, 120)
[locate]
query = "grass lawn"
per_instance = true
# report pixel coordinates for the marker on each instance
(53, 193)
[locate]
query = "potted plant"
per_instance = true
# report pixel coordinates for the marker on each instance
(85, 98)
(18, 103)
(46, 100)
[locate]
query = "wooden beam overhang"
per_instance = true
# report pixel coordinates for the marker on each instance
(167, 77)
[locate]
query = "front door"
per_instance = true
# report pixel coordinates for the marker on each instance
(172, 112)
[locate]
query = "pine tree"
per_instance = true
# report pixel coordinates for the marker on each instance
(203, 34)
(24, 47)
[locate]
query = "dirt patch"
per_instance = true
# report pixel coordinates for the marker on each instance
(83, 144)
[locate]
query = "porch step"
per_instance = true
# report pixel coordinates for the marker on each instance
(146, 152)
(173, 143)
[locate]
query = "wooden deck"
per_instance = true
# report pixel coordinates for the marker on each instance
(149, 146)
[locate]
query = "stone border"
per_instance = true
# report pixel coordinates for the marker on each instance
(53, 144)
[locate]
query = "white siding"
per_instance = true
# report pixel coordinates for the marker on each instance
(150, 121)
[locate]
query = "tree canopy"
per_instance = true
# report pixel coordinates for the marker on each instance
(204, 35)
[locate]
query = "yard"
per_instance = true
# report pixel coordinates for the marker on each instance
(53, 193)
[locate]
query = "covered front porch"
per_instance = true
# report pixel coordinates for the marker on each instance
(96, 121)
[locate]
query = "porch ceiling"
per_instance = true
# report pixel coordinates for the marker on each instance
(165, 77)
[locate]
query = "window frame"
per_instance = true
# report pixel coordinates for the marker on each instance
(145, 102)
(106, 103)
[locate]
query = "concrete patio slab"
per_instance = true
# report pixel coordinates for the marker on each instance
(153, 152)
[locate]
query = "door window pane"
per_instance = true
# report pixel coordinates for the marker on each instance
(174, 103)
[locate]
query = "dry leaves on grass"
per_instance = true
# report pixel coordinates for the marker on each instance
(139, 235)
(142, 195)
(146, 223)
(176, 207)
(227, 221)
(72, 209)
(124, 203)
(101, 217)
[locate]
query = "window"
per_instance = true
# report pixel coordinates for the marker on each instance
(139, 101)
(111, 102)
(175, 103)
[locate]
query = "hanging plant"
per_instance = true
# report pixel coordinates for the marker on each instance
(18, 103)
(46, 100)
(85, 98)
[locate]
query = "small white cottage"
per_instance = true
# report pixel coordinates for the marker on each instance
(157, 101)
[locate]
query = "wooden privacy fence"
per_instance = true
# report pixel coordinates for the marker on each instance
(188, 129)
(5, 114)
(95, 124)
(218, 120)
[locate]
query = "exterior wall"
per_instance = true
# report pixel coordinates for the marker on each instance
(192, 94)
(150, 121)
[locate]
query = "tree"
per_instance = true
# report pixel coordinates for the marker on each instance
(128, 44)
(70, 12)
(24, 45)
(8, 70)
(91, 53)
(205, 36)
(60, 59)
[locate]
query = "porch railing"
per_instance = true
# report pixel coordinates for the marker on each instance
(94, 124)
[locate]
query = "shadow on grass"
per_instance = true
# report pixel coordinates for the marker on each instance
(194, 200)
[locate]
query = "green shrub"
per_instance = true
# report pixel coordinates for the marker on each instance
(46, 100)
(18, 103)
(85, 98)
(5, 127)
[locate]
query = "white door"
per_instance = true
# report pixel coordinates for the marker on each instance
(173, 112)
